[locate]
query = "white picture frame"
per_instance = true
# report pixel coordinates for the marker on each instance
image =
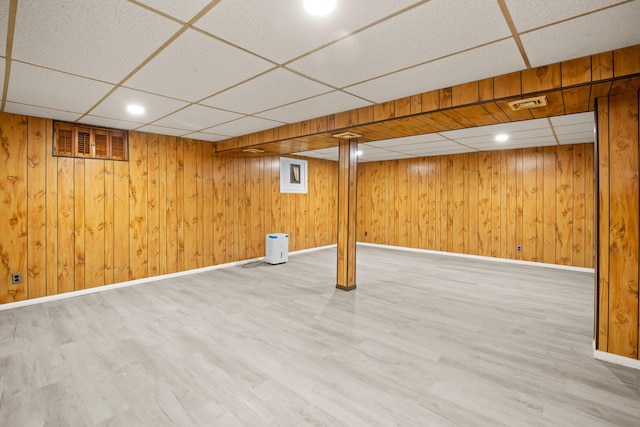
(293, 175)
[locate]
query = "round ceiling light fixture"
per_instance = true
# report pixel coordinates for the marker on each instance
(319, 7)
(135, 109)
(502, 137)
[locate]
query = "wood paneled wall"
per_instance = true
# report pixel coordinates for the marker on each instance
(618, 268)
(485, 204)
(69, 224)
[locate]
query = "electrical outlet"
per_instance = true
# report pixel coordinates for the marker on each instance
(519, 248)
(365, 234)
(16, 278)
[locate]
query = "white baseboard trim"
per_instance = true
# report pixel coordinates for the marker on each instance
(484, 258)
(72, 294)
(627, 362)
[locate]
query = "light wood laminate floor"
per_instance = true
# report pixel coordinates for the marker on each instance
(424, 340)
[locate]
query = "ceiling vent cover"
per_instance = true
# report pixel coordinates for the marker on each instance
(525, 104)
(347, 135)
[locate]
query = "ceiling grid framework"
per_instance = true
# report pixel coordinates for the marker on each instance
(213, 70)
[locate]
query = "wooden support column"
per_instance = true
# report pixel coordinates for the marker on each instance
(347, 202)
(618, 271)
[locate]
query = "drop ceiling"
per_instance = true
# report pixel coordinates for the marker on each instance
(560, 130)
(212, 70)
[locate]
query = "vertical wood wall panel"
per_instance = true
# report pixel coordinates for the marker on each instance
(13, 207)
(138, 219)
(180, 201)
(529, 181)
(171, 203)
(66, 230)
(190, 204)
(512, 198)
(109, 244)
(36, 201)
(153, 205)
(579, 213)
(162, 203)
(619, 223)
(51, 242)
(208, 221)
(67, 223)
(549, 211)
(95, 243)
(200, 204)
(121, 234)
(484, 205)
(79, 223)
(219, 200)
(564, 204)
(472, 201)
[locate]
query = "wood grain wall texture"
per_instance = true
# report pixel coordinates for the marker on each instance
(485, 203)
(70, 224)
(619, 222)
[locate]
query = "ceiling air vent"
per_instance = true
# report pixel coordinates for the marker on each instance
(525, 104)
(347, 135)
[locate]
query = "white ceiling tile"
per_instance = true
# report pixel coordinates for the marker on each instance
(47, 113)
(572, 119)
(420, 148)
(514, 136)
(110, 123)
(161, 130)
(492, 60)
(243, 126)
(88, 37)
(524, 143)
(51, 89)
(322, 105)
(206, 136)
(497, 128)
(531, 133)
(2, 68)
(182, 10)
(367, 148)
(407, 140)
(331, 151)
(115, 106)
(578, 137)
(281, 30)
(390, 144)
(196, 117)
(416, 36)
(271, 90)
(527, 14)
(584, 36)
(4, 23)
(454, 149)
(579, 127)
(191, 68)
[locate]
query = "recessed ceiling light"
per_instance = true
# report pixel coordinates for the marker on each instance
(359, 152)
(319, 7)
(502, 137)
(135, 109)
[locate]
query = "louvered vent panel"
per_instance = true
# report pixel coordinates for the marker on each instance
(71, 140)
(117, 146)
(65, 142)
(101, 141)
(84, 142)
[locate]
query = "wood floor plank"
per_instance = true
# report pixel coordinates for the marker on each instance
(440, 341)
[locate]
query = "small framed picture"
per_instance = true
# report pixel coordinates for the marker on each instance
(293, 175)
